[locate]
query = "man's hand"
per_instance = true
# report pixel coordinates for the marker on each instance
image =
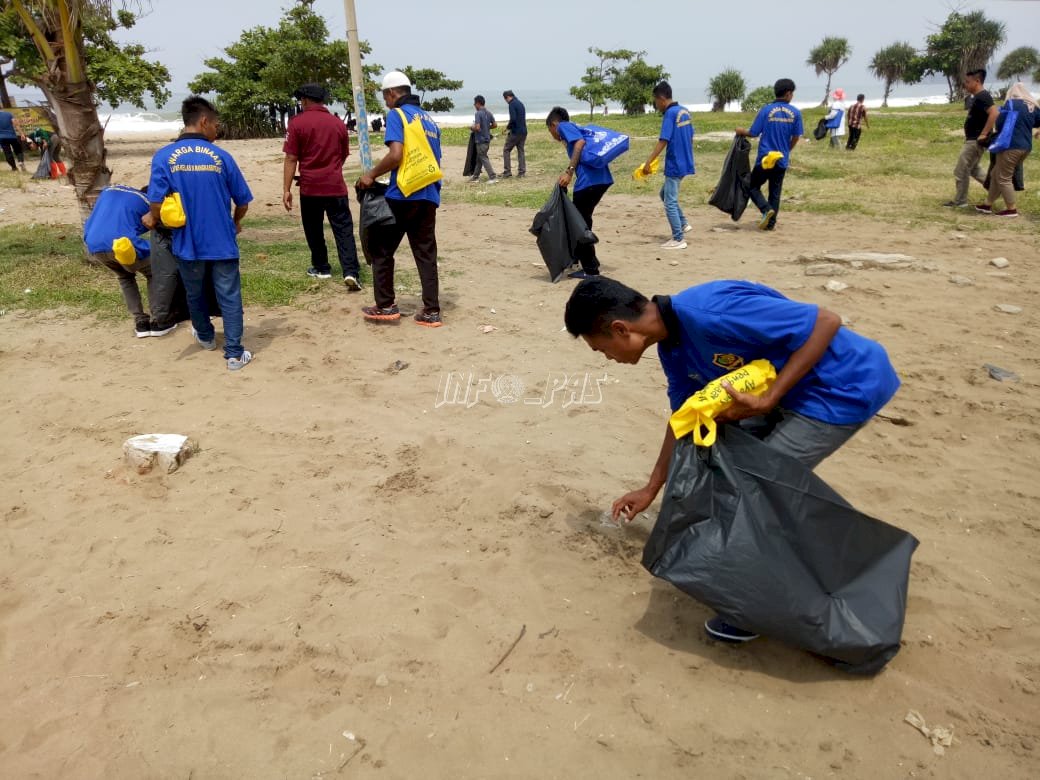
(287, 200)
(565, 179)
(148, 220)
(238, 228)
(744, 405)
(646, 168)
(631, 504)
(364, 182)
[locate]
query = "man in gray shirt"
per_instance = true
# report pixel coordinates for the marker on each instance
(483, 124)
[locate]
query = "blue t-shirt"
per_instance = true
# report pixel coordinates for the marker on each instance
(517, 118)
(677, 130)
(208, 180)
(586, 175)
(395, 132)
(117, 213)
(775, 126)
(717, 327)
(7, 131)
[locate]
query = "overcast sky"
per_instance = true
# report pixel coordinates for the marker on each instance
(542, 44)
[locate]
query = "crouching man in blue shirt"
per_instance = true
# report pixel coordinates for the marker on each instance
(830, 381)
(208, 181)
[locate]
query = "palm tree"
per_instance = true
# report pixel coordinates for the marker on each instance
(726, 87)
(830, 55)
(56, 29)
(1019, 62)
(891, 64)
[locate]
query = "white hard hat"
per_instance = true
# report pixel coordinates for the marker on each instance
(395, 78)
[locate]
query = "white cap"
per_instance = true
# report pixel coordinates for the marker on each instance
(395, 78)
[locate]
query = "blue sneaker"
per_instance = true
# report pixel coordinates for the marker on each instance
(768, 217)
(235, 364)
(316, 274)
(722, 631)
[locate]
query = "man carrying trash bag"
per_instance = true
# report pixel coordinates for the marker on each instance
(829, 383)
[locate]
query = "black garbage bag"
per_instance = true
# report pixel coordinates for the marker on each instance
(560, 227)
(731, 193)
(374, 212)
(821, 130)
(472, 165)
(169, 304)
(43, 170)
(757, 536)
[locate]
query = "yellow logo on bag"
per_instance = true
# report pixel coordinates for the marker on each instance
(124, 251)
(171, 212)
(419, 167)
(698, 413)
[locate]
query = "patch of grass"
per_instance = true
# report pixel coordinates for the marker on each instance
(9, 179)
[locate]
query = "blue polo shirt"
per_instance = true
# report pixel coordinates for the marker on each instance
(776, 124)
(586, 175)
(7, 131)
(395, 132)
(677, 131)
(717, 327)
(209, 181)
(117, 213)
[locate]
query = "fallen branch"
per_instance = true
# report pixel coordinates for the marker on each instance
(523, 630)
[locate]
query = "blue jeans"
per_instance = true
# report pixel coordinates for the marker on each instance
(670, 196)
(227, 285)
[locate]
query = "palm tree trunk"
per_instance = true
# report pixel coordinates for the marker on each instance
(5, 99)
(827, 93)
(888, 91)
(83, 141)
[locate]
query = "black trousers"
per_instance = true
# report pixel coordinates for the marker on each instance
(586, 201)
(313, 209)
(775, 177)
(12, 148)
(854, 134)
(416, 219)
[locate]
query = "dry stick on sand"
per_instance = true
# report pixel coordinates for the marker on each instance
(523, 630)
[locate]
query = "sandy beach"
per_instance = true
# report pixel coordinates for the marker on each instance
(326, 588)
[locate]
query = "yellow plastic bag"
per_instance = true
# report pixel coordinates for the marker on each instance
(655, 166)
(771, 159)
(698, 413)
(419, 166)
(171, 212)
(124, 250)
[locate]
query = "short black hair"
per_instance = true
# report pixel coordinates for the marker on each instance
(479, 100)
(861, 96)
(195, 108)
(557, 114)
(979, 73)
(598, 301)
(508, 93)
(782, 87)
(664, 90)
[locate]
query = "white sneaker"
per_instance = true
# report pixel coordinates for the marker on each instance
(234, 364)
(671, 243)
(207, 345)
(687, 227)
(492, 181)
(352, 283)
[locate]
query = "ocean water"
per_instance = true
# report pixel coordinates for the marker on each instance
(126, 120)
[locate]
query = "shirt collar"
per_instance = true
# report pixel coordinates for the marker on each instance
(671, 320)
(315, 107)
(193, 137)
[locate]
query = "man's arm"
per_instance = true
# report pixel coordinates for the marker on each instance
(661, 146)
(991, 119)
(288, 172)
(631, 504)
(240, 212)
(794, 141)
(391, 161)
(565, 179)
(798, 365)
(151, 219)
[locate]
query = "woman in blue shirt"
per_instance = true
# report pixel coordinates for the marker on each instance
(589, 188)
(1000, 185)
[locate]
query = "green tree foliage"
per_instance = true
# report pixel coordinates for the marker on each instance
(726, 87)
(964, 42)
(757, 98)
(894, 64)
(254, 82)
(634, 85)
(118, 73)
(1018, 63)
(597, 84)
(429, 80)
(827, 57)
